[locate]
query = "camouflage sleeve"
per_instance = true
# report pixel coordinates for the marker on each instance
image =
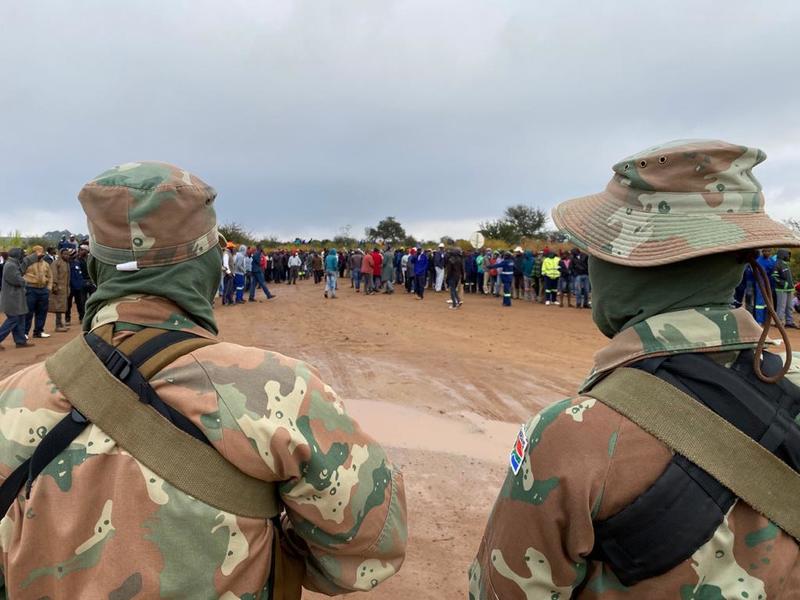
(343, 497)
(541, 525)
(348, 502)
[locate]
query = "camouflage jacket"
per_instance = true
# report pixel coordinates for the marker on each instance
(585, 462)
(99, 524)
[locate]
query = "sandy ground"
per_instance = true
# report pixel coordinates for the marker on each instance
(445, 391)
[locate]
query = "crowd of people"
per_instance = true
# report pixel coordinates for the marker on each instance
(546, 276)
(53, 280)
(785, 292)
(42, 282)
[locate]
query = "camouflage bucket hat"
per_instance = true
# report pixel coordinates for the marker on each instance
(149, 214)
(673, 202)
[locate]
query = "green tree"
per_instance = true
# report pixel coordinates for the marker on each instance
(234, 232)
(519, 221)
(528, 221)
(500, 229)
(388, 230)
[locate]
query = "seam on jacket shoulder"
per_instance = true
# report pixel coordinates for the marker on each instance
(392, 503)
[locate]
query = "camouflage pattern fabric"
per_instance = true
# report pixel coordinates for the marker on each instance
(149, 213)
(673, 202)
(585, 462)
(99, 524)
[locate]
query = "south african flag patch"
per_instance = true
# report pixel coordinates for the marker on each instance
(517, 456)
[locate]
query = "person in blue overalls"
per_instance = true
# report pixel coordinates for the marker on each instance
(505, 270)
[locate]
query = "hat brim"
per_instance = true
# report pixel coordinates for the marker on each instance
(608, 228)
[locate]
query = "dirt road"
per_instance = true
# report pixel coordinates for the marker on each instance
(443, 390)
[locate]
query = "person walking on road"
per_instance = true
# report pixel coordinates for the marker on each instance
(257, 279)
(12, 297)
(294, 263)
(454, 272)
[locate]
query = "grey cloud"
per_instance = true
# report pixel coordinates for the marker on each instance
(307, 116)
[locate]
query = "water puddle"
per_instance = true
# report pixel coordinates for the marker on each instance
(464, 433)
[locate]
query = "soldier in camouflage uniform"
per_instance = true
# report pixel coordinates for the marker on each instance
(99, 524)
(578, 461)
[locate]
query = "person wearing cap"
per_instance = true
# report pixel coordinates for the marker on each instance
(667, 242)
(228, 286)
(518, 258)
(78, 276)
(97, 523)
(439, 259)
(38, 281)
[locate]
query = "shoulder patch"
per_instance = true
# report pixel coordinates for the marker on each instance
(517, 455)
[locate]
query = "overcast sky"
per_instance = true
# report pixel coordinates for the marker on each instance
(313, 115)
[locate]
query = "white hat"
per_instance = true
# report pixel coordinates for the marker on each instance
(441, 245)
(518, 249)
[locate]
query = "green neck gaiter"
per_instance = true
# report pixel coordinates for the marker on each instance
(624, 296)
(191, 285)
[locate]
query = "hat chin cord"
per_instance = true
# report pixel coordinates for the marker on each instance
(772, 317)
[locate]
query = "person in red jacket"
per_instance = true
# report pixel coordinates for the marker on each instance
(367, 272)
(377, 257)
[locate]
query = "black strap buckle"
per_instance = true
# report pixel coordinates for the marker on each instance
(118, 364)
(78, 416)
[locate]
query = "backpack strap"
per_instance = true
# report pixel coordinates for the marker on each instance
(128, 370)
(185, 462)
(737, 461)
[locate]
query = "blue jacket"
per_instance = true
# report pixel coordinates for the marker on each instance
(470, 265)
(421, 264)
(76, 278)
(527, 264)
(256, 267)
(332, 261)
(505, 268)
